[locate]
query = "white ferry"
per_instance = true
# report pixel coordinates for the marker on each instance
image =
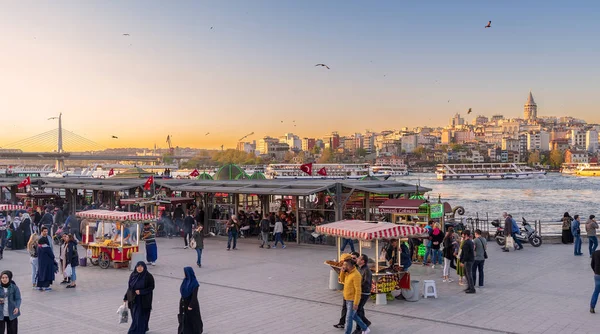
(486, 171)
(25, 171)
(391, 171)
(572, 168)
(334, 171)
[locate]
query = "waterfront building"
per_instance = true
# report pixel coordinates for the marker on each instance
(538, 141)
(578, 138)
(591, 141)
(308, 144)
(457, 121)
(576, 157)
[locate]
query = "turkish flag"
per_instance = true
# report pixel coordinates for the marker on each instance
(111, 172)
(195, 173)
(322, 172)
(307, 168)
(24, 183)
(149, 183)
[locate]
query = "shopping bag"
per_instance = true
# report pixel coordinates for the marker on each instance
(123, 313)
(68, 271)
(510, 243)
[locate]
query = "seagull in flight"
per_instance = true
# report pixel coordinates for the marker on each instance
(489, 25)
(126, 35)
(207, 133)
(468, 112)
(323, 66)
(115, 137)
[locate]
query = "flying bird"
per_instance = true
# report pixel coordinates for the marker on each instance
(468, 112)
(126, 35)
(323, 66)
(489, 25)
(207, 133)
(115, 137)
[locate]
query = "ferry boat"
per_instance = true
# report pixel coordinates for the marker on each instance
(571, 168)
(589, 170)
(24, 171)
(389, 170)
(334, 171)
(486, 171)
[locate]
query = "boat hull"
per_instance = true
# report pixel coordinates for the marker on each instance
(491, 176)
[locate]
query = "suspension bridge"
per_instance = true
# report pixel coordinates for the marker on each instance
(61, 145)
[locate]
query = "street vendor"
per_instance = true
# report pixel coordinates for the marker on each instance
(125, 237)
(391, 252)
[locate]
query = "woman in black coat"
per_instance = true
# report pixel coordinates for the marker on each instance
(190, 320)
(139, 298)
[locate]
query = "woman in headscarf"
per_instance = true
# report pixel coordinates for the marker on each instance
(18, 239)
(567, 235)
(139, 298)
(10, 303)
(32, 248)
(47, 266)
(25, 225)
(190, 320)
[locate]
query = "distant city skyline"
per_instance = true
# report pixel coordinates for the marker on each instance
(235, 67)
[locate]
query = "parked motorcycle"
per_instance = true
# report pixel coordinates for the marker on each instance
(526, 234)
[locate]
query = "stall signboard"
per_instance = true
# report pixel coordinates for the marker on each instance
(398, 210)
(436, 210)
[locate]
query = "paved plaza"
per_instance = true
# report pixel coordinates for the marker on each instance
(253, 290)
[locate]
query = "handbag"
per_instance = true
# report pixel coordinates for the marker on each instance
(192, 243)
(510, 243)
(181, 321)
(68, 271)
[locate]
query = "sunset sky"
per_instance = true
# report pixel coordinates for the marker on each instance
(393, 64)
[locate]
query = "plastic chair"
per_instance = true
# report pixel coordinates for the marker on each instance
(429, 289)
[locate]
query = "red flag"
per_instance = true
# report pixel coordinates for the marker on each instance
(322, 172)
(195, 173)
(24, 183)
(111, 172)
(149, 183)
(307, 168)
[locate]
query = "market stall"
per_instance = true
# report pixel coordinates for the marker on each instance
(386, 277)
(102, 251)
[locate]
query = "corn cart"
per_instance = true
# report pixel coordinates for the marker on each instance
(102, 252)
(386, 278)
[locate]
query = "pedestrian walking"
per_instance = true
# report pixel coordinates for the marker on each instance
(233, 228)
(515, 230)
(265, 228)
(10, 303)
(427, 242)
(198, 237)
(596, 269)
(342, 322)
(26, 225)
(460, 270)
(3, 234)
(149, 237)
(576, 231)
(72, 258)
(278, 231)
(32, 248)
(190, 319)
(467, 257)
(436, 236)
(47, 266)
(507, 232)
(352, 294)
(139, 298)
(188, 224)
(450, 246)
(567, 235)
(366, 280)
(480, 256)
(590, 228)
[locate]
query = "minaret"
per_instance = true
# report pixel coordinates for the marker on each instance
(530, 108)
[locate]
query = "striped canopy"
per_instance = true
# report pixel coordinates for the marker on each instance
(115, 215)
(11, 207)
(366, 230)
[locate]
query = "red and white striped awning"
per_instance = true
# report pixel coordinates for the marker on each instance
(365, 230)
(11, 207)
(115, 215)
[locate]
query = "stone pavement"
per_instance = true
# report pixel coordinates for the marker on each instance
(253, 290)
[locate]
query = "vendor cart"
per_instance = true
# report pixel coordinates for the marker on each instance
(385, 278)
(102, 252)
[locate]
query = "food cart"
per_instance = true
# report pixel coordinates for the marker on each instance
(385, 278)
(102, 252)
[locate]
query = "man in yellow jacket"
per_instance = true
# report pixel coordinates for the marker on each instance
(352, 293)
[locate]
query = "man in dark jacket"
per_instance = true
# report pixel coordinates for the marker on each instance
(507, 229)
(188, 226)
(367, 280)
(47, 220)
(265, 228)
(467, 257)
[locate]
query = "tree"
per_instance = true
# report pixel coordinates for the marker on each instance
(315, 150)
(534, 158)
(289, 156)
(556, 158)
(360, 152)
(301, 157)
(327, 156)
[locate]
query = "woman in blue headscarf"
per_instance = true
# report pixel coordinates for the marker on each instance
(190, 320)
(139, 298)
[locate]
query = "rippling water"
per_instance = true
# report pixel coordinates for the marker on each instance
(546, 198)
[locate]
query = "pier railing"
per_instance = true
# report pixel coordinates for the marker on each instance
(546, 228)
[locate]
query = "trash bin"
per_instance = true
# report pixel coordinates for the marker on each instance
(412, 294)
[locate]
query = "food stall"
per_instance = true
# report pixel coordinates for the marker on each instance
(412, 211)
(385, 278)
(101, 251)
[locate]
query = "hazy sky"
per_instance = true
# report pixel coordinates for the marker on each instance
(393, 64)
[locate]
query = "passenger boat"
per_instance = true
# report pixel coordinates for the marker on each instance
(571, 168)
(389, 170)
(589, 170)
(24, 171)
(334, 171)
(486, 171)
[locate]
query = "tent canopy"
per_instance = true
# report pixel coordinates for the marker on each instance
(11, 207)
(368, 230)
(114, 215)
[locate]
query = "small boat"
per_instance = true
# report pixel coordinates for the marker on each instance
(588, 170)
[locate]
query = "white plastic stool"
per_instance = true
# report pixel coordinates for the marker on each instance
(381, 299)
(429, 289)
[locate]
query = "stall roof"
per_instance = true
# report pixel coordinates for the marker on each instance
(399, 205)
(384, 187)
(94, 184)
(368, 230)
(11, 207)
(114, 215)
(274, 187)
(9, 182)
(166, 200)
